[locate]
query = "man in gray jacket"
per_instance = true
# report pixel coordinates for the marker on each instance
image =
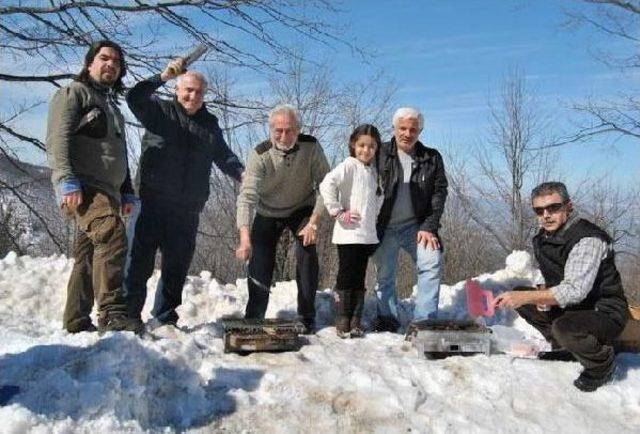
(87, 152)
(280, 185)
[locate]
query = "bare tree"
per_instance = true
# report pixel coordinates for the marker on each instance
(329, 112)
(617, 212)
(44, 44)
(54, 38)
(619, 116)
(217, 237)
(493, 193)
(469, 250)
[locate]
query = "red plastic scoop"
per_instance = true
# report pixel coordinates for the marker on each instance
(479, 300)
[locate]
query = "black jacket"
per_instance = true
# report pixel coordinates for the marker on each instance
(552, 253)
(177, 149)
(428, 185)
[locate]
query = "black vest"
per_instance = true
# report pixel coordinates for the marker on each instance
(552, 252)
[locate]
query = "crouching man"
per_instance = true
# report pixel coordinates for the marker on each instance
(587, 307)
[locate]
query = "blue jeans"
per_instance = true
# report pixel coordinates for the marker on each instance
(429, 265)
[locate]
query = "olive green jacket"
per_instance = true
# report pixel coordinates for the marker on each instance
(86, 145)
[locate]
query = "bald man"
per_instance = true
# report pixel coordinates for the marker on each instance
(181, 140)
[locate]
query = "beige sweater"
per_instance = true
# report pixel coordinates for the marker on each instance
(277, 183)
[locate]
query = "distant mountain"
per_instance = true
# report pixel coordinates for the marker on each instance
(29, 215)
(15, 170)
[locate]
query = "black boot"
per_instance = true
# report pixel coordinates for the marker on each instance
(588, 383)
(357, 308)
(386, 324)
(343, 312)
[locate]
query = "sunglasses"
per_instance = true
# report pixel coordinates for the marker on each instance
(551, 208)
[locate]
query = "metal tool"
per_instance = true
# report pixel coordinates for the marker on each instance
(259, 284)
(191, 57)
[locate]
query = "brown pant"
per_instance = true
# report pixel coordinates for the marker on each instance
(100, 251)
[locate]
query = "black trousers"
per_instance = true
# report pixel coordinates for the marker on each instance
(352, 268)
(173, 231)
(587, 334)
(265, 233)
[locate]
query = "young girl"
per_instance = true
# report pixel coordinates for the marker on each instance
(353, 197)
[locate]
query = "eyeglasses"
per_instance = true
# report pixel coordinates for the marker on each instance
(551, 208)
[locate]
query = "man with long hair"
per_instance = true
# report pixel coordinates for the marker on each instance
(87, 152)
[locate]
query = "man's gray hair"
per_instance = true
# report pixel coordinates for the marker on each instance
(195, 74)
(547, 188)
(408, 113)
(285, 109)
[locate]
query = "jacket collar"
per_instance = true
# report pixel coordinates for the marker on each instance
(99, 87)
(199, 114)
(558, 237)
(291, 150)
(419, 151)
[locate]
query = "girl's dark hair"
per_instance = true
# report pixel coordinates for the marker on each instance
(94, 49)
(371, 131)
(364, 130)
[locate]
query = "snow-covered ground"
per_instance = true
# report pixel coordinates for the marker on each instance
(184, 382)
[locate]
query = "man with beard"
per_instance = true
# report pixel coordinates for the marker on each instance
(87, 152)
(281, 186)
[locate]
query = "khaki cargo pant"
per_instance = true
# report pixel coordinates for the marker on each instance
(100, 250)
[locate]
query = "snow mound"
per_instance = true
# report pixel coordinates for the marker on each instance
(181, 380)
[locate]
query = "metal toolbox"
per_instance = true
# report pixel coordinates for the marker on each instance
(249, 335)
(438, 339)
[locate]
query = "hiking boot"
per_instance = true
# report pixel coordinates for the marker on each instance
(86, 327)
(342, 305)
(121, 322)
(136, 325)
(309, 326)
(386, 324)
(356, 327)
(155, 323)
(588, 383)
(342, 327)
(561, 355)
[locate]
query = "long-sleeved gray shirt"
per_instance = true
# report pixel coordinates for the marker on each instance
(277, 182)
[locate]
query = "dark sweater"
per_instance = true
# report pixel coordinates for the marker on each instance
(177, 149)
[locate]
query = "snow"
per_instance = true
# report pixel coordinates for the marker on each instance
(183, 381)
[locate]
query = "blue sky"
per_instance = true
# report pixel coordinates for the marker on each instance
(448, 59)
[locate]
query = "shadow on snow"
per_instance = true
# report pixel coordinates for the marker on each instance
(120, 375)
